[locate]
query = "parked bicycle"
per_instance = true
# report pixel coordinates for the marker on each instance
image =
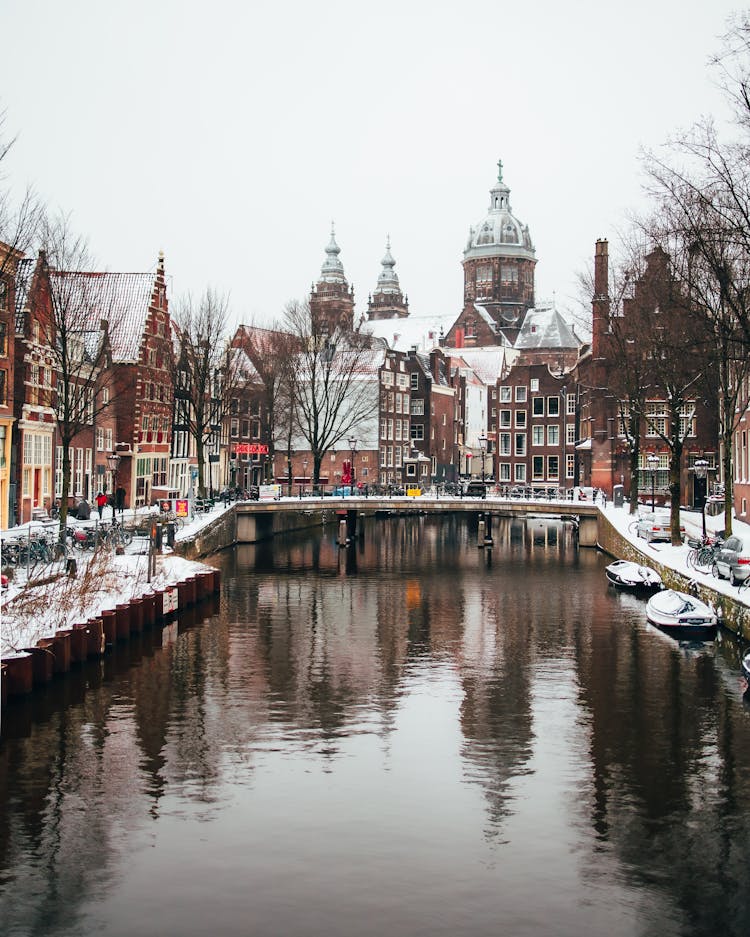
(703, 553)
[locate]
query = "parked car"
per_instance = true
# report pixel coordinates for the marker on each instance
(475, 489)
(732, 561)
(656, 526)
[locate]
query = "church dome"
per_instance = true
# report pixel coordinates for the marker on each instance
(332, 270)
(499, 233)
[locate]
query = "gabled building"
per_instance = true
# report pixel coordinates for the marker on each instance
(34, 388)
(602, 446)
(9, 260)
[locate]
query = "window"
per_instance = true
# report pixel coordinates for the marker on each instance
(537, 467)
(417, 407)
(534, 385)
(505, 395)
(553, 406)
(520, 444)
(520, 394)
(108, 441)
(100, 438)
(537, 406)
(508, 274)
(520, 471)
(570, 404)
(570, 434)
(570, 465)
(3, 337)
(553, 467)
(504, 444)
(553, 435)
(537, 435)
(234, 427)
(505, 418)
(417, 431)
(504, 468)
(105, 395)
(3, 388)
(521, 419)
(414, 380)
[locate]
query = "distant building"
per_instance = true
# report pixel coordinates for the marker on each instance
(331, 298)
(387, 301)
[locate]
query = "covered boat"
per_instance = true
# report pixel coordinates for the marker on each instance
(626, 575)
(681, 615)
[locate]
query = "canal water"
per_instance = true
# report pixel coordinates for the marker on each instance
(410, 736)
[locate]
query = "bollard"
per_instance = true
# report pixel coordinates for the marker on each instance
(480, 533)
(109, 624)
(97, 640)
(122, 621)
(61, 650)
(42, 662)
(79, 643)
(19, 673)
(342, 533)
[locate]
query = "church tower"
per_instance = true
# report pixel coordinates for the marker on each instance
(499, 261)
(388, 302)
(331, 297)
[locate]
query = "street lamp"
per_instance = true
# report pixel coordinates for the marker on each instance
(700, 467)
(483, 447)
(653, 465)
(353, 447)
(113, 461)
(304, 476)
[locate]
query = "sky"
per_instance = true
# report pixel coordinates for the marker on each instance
(231, 134)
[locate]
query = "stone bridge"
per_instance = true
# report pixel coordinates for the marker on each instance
(260, 520)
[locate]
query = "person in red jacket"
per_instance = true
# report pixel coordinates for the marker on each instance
(101, 500)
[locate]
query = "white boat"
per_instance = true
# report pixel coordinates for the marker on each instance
(681, 615)
(627, 575)
(746, 666)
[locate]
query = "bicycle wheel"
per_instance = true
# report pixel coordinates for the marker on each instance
(125, 537)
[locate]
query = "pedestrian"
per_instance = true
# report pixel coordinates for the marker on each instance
(101, 500)
(120, 499)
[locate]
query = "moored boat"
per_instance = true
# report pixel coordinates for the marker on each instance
(746, 666)
(627, 575)
(681, 615)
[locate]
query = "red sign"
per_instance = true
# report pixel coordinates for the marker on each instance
(251, 448)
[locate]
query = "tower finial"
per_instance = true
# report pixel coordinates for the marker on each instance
(499, 170)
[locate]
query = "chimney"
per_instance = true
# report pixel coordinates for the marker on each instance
(601, 269)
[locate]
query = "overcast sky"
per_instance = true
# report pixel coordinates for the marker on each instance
(230, 134)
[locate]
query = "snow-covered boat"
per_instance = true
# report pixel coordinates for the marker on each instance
(681, 615)
(627, 575)
(746, 666)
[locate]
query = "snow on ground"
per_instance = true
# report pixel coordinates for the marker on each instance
(102, 581)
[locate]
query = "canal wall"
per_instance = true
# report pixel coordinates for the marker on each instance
(32, 668)
(232, 527)
(732, 614)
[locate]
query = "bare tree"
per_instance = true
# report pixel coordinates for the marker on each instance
(336, 387)
(74, 319)
(204, 370)
(273, 352)
(19, 219)
(701, 184)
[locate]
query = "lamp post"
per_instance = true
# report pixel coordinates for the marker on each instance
(353, 447)
(304, 476)
(700, 467)
(483, 447)
(653, 465)
(113, 461)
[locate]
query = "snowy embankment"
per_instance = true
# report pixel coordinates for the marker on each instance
(102, 581)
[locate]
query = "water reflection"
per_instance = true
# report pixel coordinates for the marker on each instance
(407, 733)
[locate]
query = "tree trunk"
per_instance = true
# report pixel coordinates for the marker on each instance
(200, 453)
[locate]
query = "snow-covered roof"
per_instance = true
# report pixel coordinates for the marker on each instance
(123, 299)
(424, 332)
(545, 328)
(488, 363)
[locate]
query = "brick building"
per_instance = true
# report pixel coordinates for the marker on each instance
(603, 446)
(499, 261)
(331, 298)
